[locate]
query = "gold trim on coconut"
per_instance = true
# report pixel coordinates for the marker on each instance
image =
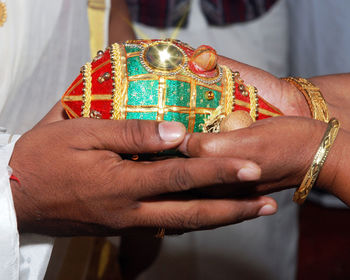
(229, 90)
(120, 83)
(86, 90)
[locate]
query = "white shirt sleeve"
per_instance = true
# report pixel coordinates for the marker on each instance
(22, 257)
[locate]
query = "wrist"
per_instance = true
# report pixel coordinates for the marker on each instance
(298, 105)
(18, 203)
(335, 175)
(24, 206)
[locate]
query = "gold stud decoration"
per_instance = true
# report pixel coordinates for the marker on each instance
(209, 95)
(95, 114)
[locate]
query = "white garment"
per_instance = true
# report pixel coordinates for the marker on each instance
(42, 46)
(9, 261)
(264, 248)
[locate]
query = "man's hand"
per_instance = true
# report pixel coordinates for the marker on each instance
(74, 181)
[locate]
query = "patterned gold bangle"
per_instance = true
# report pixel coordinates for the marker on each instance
(313, 96)
(311, 176)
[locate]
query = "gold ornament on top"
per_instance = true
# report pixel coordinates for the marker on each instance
(3, 13)
(166, 58)
(163, 58)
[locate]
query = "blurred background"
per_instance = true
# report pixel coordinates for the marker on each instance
(285, 37)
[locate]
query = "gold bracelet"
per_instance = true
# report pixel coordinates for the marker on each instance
(313, 96)
(311, 176)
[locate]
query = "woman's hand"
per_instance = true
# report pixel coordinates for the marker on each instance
(274, 90)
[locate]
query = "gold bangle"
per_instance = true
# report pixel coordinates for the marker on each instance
(160, 233)
(311, 176)
(313, 96)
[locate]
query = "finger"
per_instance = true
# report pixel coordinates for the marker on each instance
(127, 136)
(237, 143)
(283, 147)
(56, 113)
(201, 214)
(273, 137)
(176, 175)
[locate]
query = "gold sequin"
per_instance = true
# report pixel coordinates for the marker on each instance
(209, 95)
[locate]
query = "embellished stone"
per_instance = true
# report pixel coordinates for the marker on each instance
(99, 55)
(95, 114)
(241, 87)
(235, 73)
(245, 93)
(205, 58)
(209, 95)
(163, 57)
(106, 76)
(100, 79)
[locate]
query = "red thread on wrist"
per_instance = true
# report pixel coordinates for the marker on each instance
(14, 178)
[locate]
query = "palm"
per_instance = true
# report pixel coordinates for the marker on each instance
(272, 89)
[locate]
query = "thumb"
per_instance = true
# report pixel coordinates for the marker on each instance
(128, 136)
(55, 114)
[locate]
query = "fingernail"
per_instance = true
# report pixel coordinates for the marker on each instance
(249, 172)
(183, 146)
(267, 210)
(171, 131)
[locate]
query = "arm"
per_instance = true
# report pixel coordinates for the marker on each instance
(336, 92)
(120, 25)
(284, 147)
(73, 181)
(335, 89)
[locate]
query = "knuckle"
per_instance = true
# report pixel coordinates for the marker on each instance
(134, 134)
(207, 146)
(193, 217)
(244, 212)
(180, 178)
(223, 174)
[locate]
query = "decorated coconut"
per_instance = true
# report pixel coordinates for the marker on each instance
(163, 80)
